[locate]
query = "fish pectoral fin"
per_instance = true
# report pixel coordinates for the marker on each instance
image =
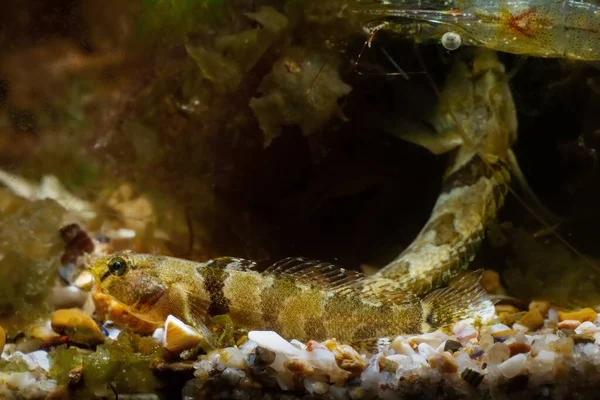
(465, 298)
(315, 272)
(437, 143)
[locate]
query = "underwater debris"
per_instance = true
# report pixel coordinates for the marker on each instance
(302, 89)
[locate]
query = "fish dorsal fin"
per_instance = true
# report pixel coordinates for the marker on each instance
(231, 264)
(316, 272)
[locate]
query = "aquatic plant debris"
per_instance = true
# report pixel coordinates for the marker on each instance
(302, 89)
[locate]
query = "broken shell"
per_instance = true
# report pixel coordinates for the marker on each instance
(77, 326)
(179, 336)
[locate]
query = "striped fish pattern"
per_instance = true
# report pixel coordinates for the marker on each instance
(297, 298)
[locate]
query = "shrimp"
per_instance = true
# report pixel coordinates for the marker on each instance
(543, 28)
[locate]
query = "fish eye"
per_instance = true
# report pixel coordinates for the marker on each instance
(117, 266)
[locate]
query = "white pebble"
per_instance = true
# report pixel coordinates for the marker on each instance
(464, 331)
(272, 341)
(401, 347)
(497, 328)
(513, 366)
(426, 350)
(586, 327)
(420, 360)
(316, 387)
(298, 344)
(520, 328)
(433, 339)
(546, 356)
(553, 315)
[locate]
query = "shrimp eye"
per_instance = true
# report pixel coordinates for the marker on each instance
(117, 266)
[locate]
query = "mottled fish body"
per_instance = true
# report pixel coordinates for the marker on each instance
(297, 298)
(476, 121)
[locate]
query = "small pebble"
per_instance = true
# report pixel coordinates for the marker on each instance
(232, 376)
(264, 356)
(472, 377)
(518, 328)
(510, 318)
(518, 348)
(426, 350)
(541, 305)
(299, 367)
(564, 345)
(444, 362)
(490, 280)
(401, 347)
(533, 319)
(464, 331)
(178, 336)
(348, 359)
(587, 327)
(498, 353)
(452, 345)
(569, 324)
(497, 328)
(579, 339)
(485, 340)
(317, 387)
(75, 375)
(431, 339)
(546, 356)
(506, 308)
(79, 327)
(513, 366)
(586, 314)
(503, 335)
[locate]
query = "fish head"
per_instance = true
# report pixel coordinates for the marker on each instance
(131, 279)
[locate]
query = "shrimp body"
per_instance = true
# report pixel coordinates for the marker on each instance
(543, 28)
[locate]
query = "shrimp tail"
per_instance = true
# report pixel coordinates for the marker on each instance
(464, 299)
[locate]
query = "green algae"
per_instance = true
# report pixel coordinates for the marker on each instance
(31, 248)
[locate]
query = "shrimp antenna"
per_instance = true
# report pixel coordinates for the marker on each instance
(367, 44)
(547, 226)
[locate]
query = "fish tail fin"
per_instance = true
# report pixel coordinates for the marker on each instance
(463, 299)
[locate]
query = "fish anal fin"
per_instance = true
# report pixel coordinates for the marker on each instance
(465, 298)
(316, 272)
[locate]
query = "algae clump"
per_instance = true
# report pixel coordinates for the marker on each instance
(30, 250)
